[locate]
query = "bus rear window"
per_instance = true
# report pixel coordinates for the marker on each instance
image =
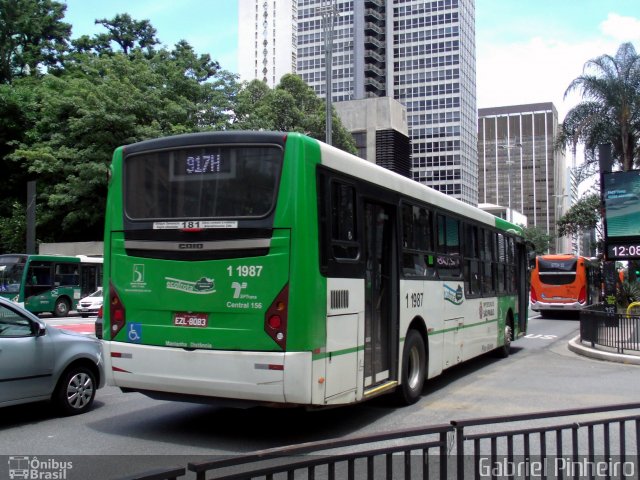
(557, 266)
(202, 182)
(557, 272)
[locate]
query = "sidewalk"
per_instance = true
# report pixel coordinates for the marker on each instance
(576, 346)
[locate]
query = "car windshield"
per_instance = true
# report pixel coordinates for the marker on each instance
(97, 293)
(10, 276)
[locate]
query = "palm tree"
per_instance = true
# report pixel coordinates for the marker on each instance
(610, 112)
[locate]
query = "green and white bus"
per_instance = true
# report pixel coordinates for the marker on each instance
(272, 268)
(49, 283)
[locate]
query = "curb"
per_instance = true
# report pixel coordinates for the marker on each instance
(577, 347)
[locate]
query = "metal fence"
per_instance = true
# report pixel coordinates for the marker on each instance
(579, 443)
(617, 332)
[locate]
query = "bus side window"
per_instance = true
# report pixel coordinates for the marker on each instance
(417, 242)
(488, 263)
(344, 235)
(448, 259)
(66, 274)
(38, 278)
(471, 261)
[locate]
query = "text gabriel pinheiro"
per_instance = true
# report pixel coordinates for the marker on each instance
(556, 466)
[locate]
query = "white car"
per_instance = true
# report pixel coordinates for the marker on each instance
(91, 304)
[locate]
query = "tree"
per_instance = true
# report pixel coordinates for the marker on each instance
(80, 116)
(540, 239)
(13, 229)
(610, 112)
(129, 33)
(583, 216)
(32, 35)
(291, 106)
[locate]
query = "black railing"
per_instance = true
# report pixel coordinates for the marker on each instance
(583, 447)
(401, 449)
(615, 331)
(172, 473)
(577, 443)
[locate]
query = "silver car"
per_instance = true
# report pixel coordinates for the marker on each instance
(41, 362)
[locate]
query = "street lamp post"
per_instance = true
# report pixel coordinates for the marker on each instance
(328, 11)
(508, 146)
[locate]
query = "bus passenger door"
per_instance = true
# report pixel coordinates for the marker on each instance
(89, 281)
(380, 332)
(38, 286)
(523, 274)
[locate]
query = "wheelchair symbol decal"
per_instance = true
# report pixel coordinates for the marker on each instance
(135, 332)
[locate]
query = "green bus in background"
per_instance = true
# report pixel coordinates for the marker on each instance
(271, 268)
(49, 283)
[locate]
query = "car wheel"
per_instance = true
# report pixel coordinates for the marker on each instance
(75, 391)
(62, 308)
(413, 369)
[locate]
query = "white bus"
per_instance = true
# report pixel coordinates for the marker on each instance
(271, 268)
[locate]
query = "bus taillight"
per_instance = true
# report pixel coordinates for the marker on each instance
(534, 297)
(582, 297)
(117, 315)
(275, 320)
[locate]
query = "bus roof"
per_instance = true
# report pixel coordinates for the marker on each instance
(358, 167)
(52, 258)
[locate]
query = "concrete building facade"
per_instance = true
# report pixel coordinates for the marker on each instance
(421, 53)
(520, 168)
(267, 39)
(379, 128)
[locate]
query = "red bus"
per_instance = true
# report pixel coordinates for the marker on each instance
(564, 282)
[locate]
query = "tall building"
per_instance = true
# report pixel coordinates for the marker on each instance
(520, 168)
(267, 39)
(421, 53)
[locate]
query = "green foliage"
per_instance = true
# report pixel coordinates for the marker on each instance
(626, 293)
(129, 33)
(13, 229)
(610, 87)
(583, 216)
(291, 106)
(99, 103)
(60, 127)
(32, 36)
(539, 238)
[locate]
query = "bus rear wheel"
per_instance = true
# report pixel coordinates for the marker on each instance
(62, 308)
(505, 349)
(413, 369)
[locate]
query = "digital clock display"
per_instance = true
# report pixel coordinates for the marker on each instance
(622, 251)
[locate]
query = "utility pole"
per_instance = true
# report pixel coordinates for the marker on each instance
(605, 162)
(508, 146)
(329, 12)
(31, 217)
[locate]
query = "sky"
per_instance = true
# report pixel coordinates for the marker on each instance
(527, 51)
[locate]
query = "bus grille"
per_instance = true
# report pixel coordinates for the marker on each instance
(339, 299)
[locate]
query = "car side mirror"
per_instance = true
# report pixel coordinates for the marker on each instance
(41, 330)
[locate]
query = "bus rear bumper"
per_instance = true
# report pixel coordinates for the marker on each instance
(540, 306)
(270, 377)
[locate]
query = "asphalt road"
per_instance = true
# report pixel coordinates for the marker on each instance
(540, 375)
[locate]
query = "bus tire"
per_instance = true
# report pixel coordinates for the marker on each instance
(505, 349)
(75, 391)
(61, 308)
(414, 363)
